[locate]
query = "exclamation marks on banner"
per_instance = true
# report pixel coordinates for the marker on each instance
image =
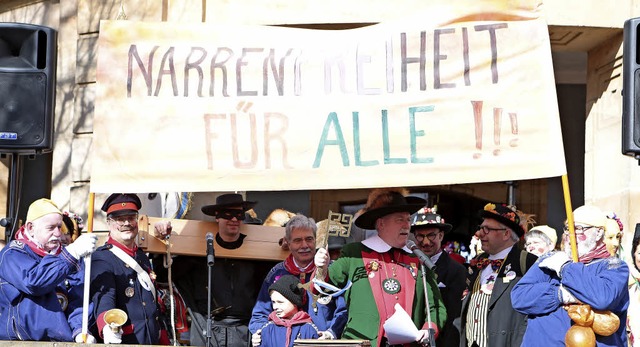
(497, 128)
(513, 118)
(477, 120)
(497, 117)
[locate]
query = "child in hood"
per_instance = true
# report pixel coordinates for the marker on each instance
(287, 322)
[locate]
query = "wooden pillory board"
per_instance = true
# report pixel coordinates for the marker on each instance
(188, 238)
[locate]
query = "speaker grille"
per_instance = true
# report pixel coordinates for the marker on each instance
(22, 109)
(631, 89)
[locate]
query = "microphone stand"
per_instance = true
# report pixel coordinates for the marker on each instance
(209, 290)
(432, 338)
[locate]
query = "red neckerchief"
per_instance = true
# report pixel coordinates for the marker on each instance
(130, 251)
(298, 318)
(24, 238)
(598, 252)
(293, 269)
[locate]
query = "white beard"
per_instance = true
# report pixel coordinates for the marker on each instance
(584, 247)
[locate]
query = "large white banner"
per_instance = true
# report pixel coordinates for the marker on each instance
(463, 93)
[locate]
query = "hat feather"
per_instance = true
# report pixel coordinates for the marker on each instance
(382, 197)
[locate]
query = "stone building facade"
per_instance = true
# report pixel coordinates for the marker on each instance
(586, 37)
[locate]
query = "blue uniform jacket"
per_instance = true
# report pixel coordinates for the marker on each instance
(276, 336)
(332, 316)
(601, 284)
(70, 293)
(110, 278)
(29, 284)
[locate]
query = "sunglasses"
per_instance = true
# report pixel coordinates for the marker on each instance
(229, 214)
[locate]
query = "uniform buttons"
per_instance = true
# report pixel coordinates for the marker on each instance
(144, 303)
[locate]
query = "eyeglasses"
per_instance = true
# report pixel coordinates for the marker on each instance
(485, 229)
(121, 220)
(579, 229)
(230, 213)
(430, 237)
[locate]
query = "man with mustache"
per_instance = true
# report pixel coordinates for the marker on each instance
(122, 278)
(34, 305)
(330, 317)
(385, 273)
(554, 283)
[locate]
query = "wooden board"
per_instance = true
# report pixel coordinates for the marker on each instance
(188, 238)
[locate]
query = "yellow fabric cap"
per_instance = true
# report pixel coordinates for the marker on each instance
(40, 208)
(589, 215)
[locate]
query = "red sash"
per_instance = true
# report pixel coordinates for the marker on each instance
(385, 302)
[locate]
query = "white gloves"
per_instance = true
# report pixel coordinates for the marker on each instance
(555, 261)
(321, 258)
(90, 339)
(567, 297)
(326, 335)
(256, 338)
(111, 336)
(83, 245)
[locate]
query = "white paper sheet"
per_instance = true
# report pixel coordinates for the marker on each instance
(400, 328)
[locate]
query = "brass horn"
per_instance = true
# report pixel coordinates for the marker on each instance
(115, 318)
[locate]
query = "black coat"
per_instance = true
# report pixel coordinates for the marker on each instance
(451, 278)
(505, 326)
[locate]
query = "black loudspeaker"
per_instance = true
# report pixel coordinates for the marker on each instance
(27, 87)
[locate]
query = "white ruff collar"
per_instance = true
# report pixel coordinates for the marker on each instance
(377, 244)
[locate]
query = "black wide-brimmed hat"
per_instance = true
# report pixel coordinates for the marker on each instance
(428, 218)
(225, 201)
(504, 214)
(394, 202)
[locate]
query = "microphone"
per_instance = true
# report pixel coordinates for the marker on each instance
(210, 252)
(424, 259)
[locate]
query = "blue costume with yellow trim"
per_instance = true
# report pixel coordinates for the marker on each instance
(602, 284)
(29, 289)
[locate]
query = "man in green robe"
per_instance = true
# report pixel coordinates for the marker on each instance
(384, 273)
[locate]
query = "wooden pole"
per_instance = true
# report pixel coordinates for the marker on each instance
(87, 273)
(569, 210)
